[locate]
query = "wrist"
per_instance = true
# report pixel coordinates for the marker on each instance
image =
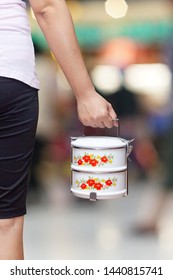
(83, 91)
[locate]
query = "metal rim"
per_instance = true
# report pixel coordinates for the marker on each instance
(100, 148)
(100, 172)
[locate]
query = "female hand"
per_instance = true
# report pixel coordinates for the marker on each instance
(95, 111)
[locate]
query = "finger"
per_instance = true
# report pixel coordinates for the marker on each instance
(112, 115)
(101, 125)
(92, 124)
(108, 122)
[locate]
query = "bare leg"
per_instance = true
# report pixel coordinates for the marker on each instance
(11, 239)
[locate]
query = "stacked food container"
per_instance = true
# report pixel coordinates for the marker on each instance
(99, 168)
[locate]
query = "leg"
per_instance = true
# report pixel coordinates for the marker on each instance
(18, 118)
(11, 239)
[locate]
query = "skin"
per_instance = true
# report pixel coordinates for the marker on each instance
(55, 21)
(11, 239)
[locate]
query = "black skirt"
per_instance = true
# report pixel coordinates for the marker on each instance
(18, 122)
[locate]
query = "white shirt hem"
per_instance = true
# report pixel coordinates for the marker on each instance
(31, 81)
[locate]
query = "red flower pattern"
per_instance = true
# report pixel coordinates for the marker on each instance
(86, 158)
(96, 183)
(98, 186)
(92, 160)
(108, 182)
(83, 186)
(104, 159)
(90, 182)
(79, 162)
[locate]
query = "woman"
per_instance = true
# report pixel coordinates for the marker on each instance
(19, 105)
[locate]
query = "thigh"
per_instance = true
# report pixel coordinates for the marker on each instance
(18, 122)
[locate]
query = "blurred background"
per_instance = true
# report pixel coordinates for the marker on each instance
(128, 51)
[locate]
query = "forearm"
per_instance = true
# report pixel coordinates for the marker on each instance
(56, 23)
(57, 26)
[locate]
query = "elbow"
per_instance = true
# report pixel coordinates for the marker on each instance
(44, 14)
(43, 11)
(46, 7)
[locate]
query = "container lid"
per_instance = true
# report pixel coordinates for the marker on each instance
(98, 142)
(98, 169)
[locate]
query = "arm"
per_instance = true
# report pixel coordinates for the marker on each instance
(55, 21)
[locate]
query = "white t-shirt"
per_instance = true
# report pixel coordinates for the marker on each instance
(17, 58)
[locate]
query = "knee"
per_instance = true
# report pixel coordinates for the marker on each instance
(6, 225)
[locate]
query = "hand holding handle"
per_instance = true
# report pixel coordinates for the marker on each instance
(95, 131)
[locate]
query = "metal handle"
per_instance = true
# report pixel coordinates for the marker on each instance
(96, 131)
(118, 128)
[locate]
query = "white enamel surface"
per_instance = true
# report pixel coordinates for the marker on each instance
(99, 159)
(100, 196)
(117, 188)
(95, 142)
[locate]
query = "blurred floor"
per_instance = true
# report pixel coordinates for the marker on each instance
(62, 226)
